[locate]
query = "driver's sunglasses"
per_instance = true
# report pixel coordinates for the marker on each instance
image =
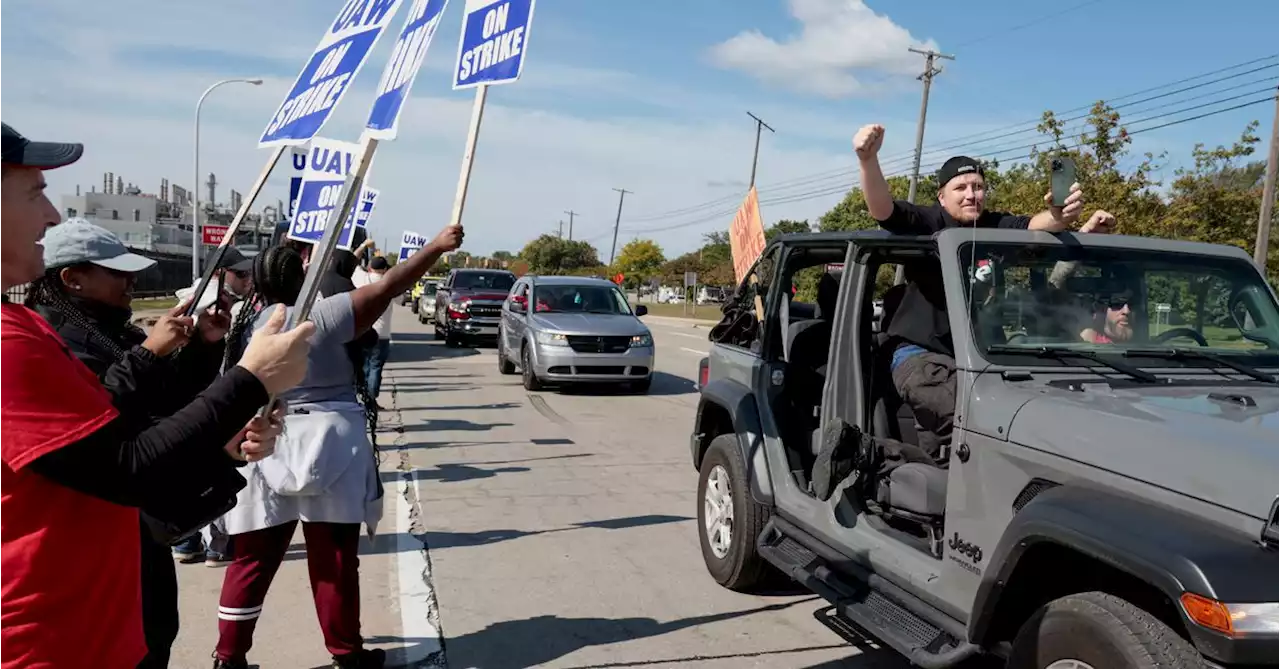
(1117, 302)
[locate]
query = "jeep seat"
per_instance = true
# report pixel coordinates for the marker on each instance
(916, 488)
(890, 416)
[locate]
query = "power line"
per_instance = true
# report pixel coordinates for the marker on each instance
(951, 143)
(978, 149)
(844, 188)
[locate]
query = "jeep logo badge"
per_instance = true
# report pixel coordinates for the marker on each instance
(971, 551)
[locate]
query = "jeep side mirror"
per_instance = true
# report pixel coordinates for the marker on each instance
(642, 310)
(519, 304)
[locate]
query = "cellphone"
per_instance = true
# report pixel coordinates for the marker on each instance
(1062, 174)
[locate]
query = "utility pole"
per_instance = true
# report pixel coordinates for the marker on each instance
(1262, 244)
(622, 193)
(755, 155)
(571, 214)
(930, 71)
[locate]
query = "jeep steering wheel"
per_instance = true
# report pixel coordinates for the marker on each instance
(1176, 333)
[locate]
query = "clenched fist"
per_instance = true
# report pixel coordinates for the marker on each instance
(868, 140)
(449, 239)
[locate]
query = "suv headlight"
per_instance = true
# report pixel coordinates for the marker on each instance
(1232, 619)
(551, 339)
(642, 341)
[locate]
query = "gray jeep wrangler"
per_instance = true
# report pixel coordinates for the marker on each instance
(1108, 498)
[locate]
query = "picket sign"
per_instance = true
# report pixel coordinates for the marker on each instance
(410, 243)
(324, 168)
(323, 81)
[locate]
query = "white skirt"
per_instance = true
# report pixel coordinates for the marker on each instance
(323, 470)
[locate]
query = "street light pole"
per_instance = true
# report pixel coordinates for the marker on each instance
(195, 182)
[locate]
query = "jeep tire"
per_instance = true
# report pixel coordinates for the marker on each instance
(505, 366)
(1100, 631)
(528, 376)
(741, 568)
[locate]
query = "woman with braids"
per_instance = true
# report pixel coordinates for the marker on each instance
(85, 295)
(75, 469)
(324, 472)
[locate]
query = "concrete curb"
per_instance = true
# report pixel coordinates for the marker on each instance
(680, 322)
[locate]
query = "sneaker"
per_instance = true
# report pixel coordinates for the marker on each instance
(364, 658)
(229, 664)
(215, 559)
(189, 551)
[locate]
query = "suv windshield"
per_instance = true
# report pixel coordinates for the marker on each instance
(592, 299)
(1173, 306)
(484, 281)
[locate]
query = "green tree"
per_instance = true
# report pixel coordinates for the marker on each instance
(785, 227)
(638, 260)
(550, 254)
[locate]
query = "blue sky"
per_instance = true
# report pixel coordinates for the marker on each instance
(647, 96)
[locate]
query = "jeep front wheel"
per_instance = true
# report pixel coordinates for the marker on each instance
(1094, 630)
(729, 521)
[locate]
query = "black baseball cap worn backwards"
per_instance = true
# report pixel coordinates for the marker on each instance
(957, 166)
(19, 150)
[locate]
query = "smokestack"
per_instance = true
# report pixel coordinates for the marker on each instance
(106, 182)
(119, 186)
(164, 190)
(213, 189)
(77, 190)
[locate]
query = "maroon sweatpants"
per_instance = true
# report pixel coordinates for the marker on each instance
(333, 564)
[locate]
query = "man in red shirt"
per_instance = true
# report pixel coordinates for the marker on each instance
(55, 614)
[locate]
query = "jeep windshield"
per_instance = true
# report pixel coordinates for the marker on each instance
(484, 281)
(579, 299)
(1038, 304)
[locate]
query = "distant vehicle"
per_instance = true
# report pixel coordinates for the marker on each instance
(468, 305)
(574, 330)
(425, 300)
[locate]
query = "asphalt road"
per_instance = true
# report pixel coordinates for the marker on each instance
(536, 530)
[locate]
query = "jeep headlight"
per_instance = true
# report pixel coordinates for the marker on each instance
(551, 339)
(642, 341)
(1232, 620)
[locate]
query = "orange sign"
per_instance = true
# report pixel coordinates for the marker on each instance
(746, 235)
(618, 279)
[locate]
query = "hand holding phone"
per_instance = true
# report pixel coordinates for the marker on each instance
(1062, 175)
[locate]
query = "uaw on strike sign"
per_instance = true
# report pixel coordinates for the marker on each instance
(333, 65)
(326, 167)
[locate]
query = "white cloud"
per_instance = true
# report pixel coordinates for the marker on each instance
(842, 46)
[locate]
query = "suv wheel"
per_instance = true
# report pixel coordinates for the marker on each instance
(530, 377)
(729, 521)
(505, 366)
(1094, 630)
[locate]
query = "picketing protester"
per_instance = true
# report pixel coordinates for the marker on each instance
(234, 273)
(376, 358)
(76, 468)
(85, 295)
(324, 473)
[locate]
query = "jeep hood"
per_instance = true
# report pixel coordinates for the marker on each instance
(1214, 443)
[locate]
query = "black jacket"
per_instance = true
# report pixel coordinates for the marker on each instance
(143, 387)
(181, 412)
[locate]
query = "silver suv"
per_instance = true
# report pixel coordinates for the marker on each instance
(565, 329)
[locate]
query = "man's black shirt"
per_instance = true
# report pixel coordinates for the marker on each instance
(921, 318)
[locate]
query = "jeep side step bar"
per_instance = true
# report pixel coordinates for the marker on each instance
(874, 604)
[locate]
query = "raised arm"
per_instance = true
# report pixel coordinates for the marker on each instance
(874, 186)
(369, 301)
